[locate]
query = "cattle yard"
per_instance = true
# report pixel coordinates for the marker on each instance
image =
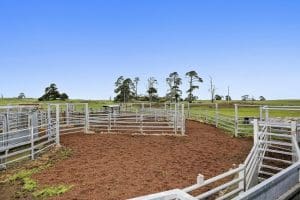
(113, 147)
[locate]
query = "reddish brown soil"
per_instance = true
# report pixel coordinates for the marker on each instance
(114, 167)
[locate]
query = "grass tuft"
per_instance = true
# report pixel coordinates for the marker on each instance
(52, 191)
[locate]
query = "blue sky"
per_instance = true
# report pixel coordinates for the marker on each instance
(84, 46)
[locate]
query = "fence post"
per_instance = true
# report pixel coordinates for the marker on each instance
(57, 141)
(217, 115)
(267, 114)
(141, 123)
(242, 183)
(294, 134)
(260, 113)
(67, 113)
(109, 122)
(182, 120)
(32, 137)
(255, 131)
(200, 179)
(86, 118)
(236, 120)
(49, 113)
(8, 121)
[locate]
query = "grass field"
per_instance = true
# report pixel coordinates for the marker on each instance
(250, 108)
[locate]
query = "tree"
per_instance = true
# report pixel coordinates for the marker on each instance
(64, 96)
(51, 93)
(228, 98)
(151, 87)
(212, 89)
(124, 89)
(262, 98)
(174, 81)
(245, 97)
(218, 97)
(21, 95)
(136, 81)
(193, 78)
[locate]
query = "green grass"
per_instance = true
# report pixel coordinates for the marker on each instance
(200, 106)
(228, 109)
(94, 104)
(52, 191)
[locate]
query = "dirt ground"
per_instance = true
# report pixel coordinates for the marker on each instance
(114, 167)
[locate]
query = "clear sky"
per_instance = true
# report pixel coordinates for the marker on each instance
(84, 46)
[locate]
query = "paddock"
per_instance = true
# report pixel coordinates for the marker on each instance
(114, 166)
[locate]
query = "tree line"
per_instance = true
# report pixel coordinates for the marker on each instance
(126, 89)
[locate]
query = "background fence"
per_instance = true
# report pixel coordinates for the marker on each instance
(27, 131)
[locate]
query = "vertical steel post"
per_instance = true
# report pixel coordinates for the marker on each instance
(267, 114)
(49, 114)
(242, 183)
(67, 114)
(236, 120)
(217, 114)
(32, 137)
(109, 122)
(57, 139)
(141, 123)
(294, 135)
(260, 113)
(86, 118)
(255, 131)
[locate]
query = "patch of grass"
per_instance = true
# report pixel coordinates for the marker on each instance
(29, 184)
(65, 153)
(52, 191)
(21, 175)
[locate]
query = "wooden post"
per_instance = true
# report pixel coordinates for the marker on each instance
(217, 115)
(236, 120)
(57, 139)
(86, 126)
(255, 131)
